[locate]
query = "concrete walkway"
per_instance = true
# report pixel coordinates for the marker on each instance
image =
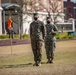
(8, 42)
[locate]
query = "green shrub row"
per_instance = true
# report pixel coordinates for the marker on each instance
(26, 36)
(64, 36)
(4, 36)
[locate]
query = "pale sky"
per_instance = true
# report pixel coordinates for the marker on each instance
(72, 1)
(65, 0)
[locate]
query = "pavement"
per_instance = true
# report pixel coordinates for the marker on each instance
(8, 42)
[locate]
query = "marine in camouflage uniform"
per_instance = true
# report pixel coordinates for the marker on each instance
(50, 40)
(37, 34)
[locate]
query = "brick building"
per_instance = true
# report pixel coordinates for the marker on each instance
(70, 9)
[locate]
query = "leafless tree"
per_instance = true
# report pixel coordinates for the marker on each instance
(54, 7)
(27, 6)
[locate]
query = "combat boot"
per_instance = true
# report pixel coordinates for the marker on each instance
(35, 64)
(48, 61)
(51, 61)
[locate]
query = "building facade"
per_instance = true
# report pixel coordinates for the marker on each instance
(0, 18)
(70, 9)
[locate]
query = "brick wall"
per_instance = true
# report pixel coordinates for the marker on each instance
(0, 2)
(70, 12)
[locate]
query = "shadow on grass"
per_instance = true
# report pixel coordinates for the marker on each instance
(17, 65)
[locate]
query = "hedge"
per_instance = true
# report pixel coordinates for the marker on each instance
(26, 36)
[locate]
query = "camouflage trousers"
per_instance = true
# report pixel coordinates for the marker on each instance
(37, 50)
(50, 47)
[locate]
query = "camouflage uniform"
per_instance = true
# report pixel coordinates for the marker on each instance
(37, 34)
(50, 40)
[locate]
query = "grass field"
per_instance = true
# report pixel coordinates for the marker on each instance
(20, 62)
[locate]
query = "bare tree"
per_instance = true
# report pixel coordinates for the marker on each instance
(20, 14)
(55, 8)
(30, 6)
(26, 6)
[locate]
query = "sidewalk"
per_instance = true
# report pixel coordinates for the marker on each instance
(8, 42)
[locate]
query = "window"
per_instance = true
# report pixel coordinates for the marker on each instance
(74, 10)
(65, 10)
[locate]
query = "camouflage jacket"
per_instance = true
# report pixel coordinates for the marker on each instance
(49, 28)
(37, 30)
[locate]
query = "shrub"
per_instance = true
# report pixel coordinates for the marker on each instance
(25, 36)
(70, 36)
(4, 36)
(64, 36)
(16, 36)
(61, 35)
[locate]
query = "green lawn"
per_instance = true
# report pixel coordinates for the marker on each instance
(22, 63)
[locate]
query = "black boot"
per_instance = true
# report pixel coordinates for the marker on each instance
(48, 61)
(51, 61)
(35, 64)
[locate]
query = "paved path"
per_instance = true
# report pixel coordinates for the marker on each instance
(8, 42)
